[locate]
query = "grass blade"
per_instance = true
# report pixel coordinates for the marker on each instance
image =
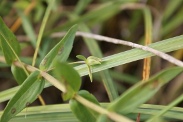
(129, 100)
(27, 93)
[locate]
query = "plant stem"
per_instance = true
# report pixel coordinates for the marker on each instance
(145, 48)
(47, 76)
(78, 62)
(43, 24)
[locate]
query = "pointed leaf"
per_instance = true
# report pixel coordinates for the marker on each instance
(63, 49)
(70, 77)
(81, 57)
(92, 60)
(19, 74)
(90, 72)
(143, 91)
(27, 93)
(83, 113)
(9, 43)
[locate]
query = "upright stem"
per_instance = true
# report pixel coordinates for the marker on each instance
(45, 19)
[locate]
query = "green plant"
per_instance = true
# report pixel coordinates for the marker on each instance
(52, 68)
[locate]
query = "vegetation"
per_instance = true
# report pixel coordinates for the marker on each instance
(51, 44)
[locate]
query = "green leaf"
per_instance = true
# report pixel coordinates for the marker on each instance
(27, 93)
(81, 57)
(9, 43)
(70, 77)
(63, 48)
(83, 113)
(92, 60)
(19, 74)
(144, 90)
(90, 72)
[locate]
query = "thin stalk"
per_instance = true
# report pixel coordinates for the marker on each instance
(45, 75)
(78, 62)
(43, 24)
(127, 43)
(145, 48)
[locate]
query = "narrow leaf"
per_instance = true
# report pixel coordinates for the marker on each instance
(65, 45)
(90, 72)
(70, 77)
(9, 43)
(143, 90)
(27, 93)
(19, 74)
(81, 57)
(83, 113)
(92, 60)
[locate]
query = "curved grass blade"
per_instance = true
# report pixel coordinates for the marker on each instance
(143, 90)
(27, 93)
(63, 48)
(8, 43)
(70, 77)
(83, 113)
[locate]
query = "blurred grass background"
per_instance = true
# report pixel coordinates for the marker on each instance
(104, 17)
